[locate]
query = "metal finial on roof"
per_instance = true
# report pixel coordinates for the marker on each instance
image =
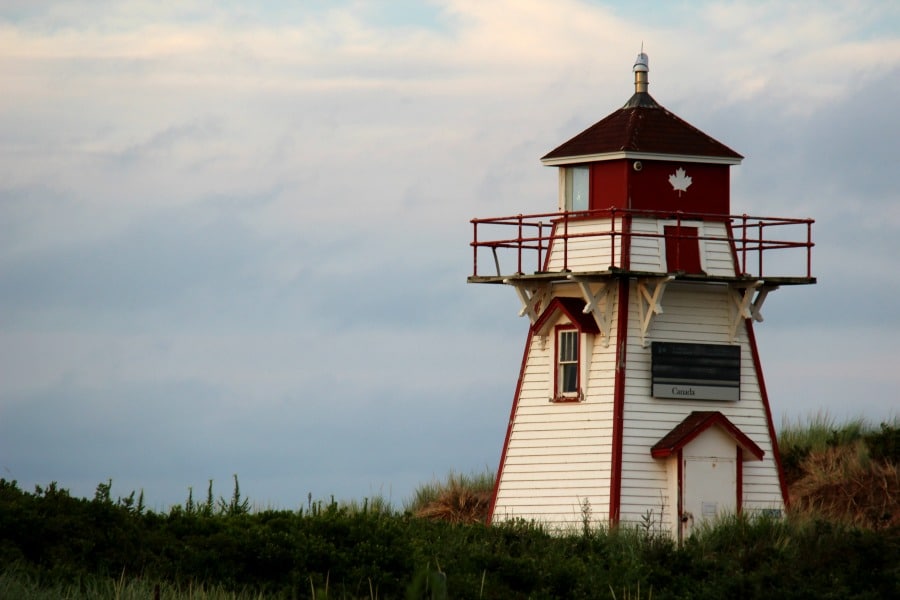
(642, 62)
(641, 68)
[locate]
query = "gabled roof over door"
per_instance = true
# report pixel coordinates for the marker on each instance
(694, 425)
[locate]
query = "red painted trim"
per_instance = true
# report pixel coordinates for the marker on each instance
(626, 239)
(680, 500)
(512, 415)
(739, 465)
(757, 365)
(615, 483)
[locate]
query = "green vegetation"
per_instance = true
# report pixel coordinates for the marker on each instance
(848, 473)
(53, 545)
(460, 499)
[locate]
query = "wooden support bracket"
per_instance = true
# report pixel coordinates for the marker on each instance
(756, 306)
(599, 304)
(650, 292)
(532, 299)
(743, 306)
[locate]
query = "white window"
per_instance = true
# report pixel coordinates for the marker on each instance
(577, 188)
(567, 362)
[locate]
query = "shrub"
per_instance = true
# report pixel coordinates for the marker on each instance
(460, 499)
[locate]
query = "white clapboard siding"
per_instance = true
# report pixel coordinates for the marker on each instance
(718, 254)
(593, 252)
(648, 246)
(699, 314)
(647, 250)
(591, 248)
(559, 454)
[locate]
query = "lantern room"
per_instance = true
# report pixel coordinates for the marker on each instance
(643, 157)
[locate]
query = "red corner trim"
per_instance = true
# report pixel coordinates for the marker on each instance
(615, 484)
(739, 465)
(757, 365)
(680, 472)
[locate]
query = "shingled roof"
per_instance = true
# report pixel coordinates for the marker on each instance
(696, 423)
(641, 127)
(573, 308)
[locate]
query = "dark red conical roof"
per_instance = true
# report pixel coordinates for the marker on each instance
(641, 127)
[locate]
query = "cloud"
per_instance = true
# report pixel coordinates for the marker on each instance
(234, 238)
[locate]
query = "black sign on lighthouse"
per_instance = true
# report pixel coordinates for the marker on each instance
(641, 392)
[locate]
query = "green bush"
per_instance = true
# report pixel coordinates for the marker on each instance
(60, 546)
(884, 444)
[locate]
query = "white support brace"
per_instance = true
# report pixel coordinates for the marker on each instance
(756, 307)
(650, 292)
(743, 306)
(532, 299)
(599, 304)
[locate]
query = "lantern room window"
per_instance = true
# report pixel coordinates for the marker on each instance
(578, 181)
(567, 365)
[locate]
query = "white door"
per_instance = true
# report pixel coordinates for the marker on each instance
(709, 490)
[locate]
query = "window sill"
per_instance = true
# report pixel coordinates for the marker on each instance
(567, 399)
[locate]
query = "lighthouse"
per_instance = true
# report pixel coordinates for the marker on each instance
(640, 397)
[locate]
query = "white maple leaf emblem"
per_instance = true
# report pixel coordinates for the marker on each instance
(680, 181)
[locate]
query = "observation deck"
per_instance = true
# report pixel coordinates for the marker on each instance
(617, 243)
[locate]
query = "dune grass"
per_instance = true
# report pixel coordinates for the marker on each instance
(461, 498)
(845, 472)
(819, 431)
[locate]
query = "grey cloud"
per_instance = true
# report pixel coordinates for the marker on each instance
(244, 260)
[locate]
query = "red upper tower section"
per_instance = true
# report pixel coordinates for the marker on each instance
(644, 157)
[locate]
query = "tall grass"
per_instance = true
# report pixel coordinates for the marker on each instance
(847, 473)
(19, 584)
(461, 498)
(819, 431)
(376, 505)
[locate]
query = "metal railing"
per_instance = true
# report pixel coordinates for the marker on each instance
(529, 238)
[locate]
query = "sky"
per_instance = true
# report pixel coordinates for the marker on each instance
(234, 236)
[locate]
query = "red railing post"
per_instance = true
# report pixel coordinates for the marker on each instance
(566, 241)
(540, 246)
(743, 243)
(612, 237)
(809, 246)
(519, 242)
(474, 248)
(760, 249)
